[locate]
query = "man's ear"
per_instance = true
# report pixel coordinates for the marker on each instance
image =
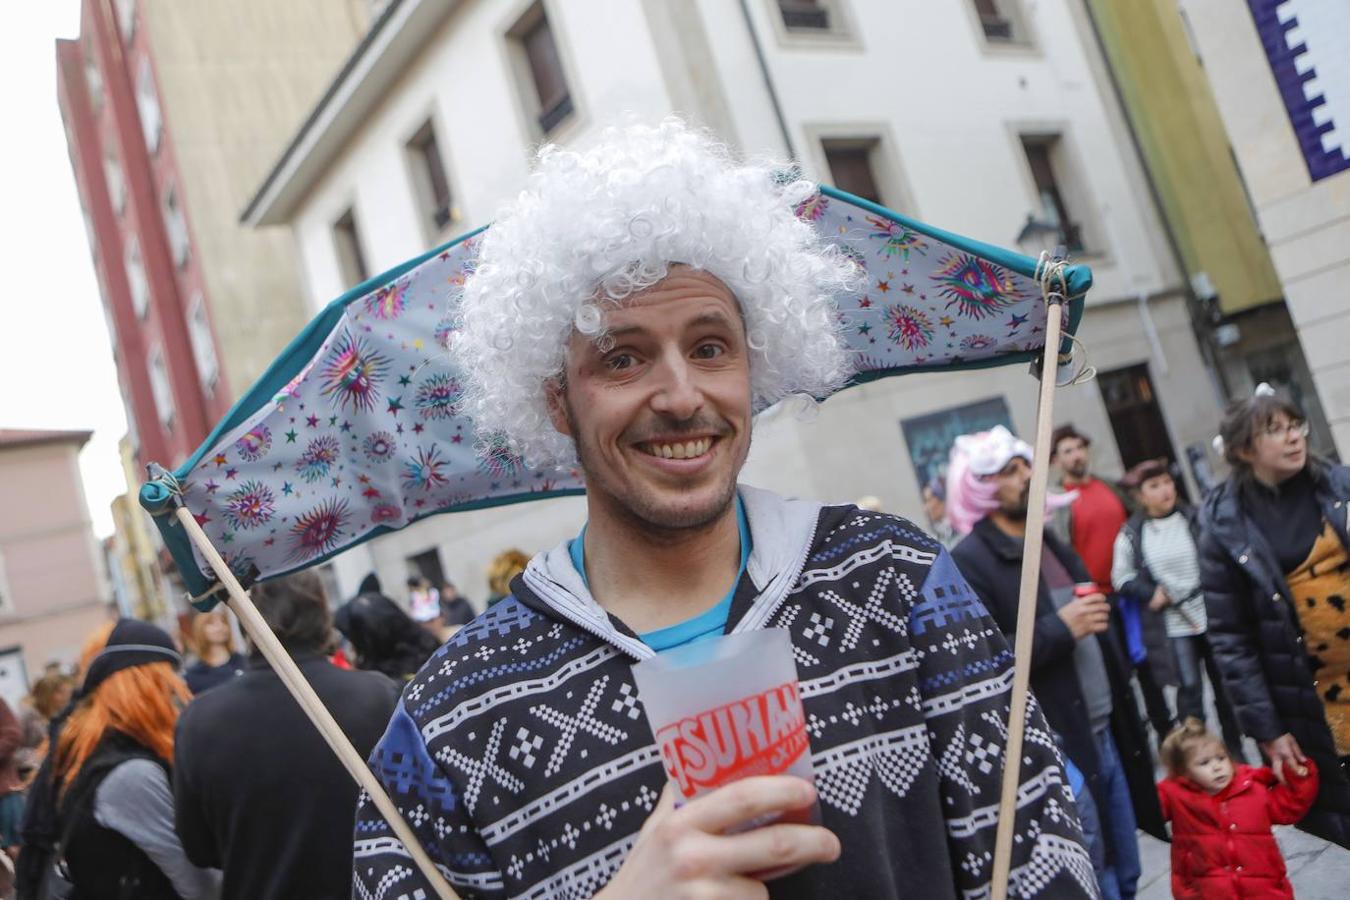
(555, 395)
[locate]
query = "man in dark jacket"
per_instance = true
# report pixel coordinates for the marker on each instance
(1256, 528)
(1077, 669)
(257, 792)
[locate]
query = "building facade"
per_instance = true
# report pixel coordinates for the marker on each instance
(172, 112)
(52, 588)
(1280, 73)
(1000, 111)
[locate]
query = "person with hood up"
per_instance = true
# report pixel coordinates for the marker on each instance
(1275, 569)
(630, 312)
(385, 638)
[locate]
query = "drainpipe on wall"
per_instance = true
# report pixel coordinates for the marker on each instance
(768, 81)
(1200, 325)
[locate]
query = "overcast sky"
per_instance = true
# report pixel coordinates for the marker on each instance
(56, 366)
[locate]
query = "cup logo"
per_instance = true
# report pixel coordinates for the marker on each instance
(759, 735)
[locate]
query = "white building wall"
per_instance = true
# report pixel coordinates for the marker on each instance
(949, 109)
(1305, 223)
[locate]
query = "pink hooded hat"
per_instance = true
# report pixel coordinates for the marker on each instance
(969, 498)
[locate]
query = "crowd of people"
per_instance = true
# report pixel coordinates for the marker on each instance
(141, 775)
(1141, 592)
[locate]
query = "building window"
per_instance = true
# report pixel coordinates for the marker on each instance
(93, 79)
(176, 225)
(136, 278)
(547, 96)
(805, 15)
(428, 171)
(126, 18)
(117, 185)
(999, 21)
(347, 240)
(147, 102)
(1043, 157)
(160, 388)
(851, 163)
(6, 600)
(203, 342)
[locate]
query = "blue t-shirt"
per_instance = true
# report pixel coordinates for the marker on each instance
(702, 627)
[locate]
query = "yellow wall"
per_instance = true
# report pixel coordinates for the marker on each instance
(1186, 149)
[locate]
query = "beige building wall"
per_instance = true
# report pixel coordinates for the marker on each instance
(57, 593)
(1306, 224)
(235, 80)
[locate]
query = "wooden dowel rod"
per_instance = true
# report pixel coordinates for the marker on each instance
(1026, 605)
(266, 642)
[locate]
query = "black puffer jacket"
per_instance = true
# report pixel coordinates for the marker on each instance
(1259, 643)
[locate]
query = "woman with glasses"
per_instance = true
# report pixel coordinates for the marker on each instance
(1275, 571)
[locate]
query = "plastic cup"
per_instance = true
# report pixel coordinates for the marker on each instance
(728, 709)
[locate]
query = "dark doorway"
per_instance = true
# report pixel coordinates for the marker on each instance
(1137, 420)
(428, 565)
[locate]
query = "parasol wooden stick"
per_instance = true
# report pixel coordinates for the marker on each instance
(285, 667)
(1030, 584)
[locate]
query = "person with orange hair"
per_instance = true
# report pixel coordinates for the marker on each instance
(217, 660)
(110, 766)
(504, 567)
(41, 829)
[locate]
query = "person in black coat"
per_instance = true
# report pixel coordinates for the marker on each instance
(258, 792)
(1281, 647)
(385, 638)
(990, 558)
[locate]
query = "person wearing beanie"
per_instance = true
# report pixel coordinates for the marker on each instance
(115, 808)
(1078, 672)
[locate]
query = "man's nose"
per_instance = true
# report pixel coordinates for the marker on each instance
(677, 393)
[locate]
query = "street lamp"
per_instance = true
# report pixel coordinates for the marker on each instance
(1037, 237)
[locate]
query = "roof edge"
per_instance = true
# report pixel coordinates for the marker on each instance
(11, 438)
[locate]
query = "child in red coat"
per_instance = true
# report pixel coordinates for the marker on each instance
(1221, 816)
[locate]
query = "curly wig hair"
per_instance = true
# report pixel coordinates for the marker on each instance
(594, 227)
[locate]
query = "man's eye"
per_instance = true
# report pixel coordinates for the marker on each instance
(709, 351)
(619, 361)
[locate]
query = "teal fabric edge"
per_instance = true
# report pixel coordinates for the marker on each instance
(155, 496)
(1079, 279)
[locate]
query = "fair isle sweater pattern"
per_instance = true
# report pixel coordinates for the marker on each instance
(522, 759)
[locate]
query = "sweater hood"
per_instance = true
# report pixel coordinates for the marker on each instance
(781, 534)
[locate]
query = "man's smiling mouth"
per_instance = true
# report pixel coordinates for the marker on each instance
(691, 449)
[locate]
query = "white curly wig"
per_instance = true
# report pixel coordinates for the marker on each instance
(594, 227)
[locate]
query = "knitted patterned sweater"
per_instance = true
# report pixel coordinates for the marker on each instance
(522, 758)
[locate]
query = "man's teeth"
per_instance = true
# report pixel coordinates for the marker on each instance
(686, 450)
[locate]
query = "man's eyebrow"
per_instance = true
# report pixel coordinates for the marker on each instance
(707, 318)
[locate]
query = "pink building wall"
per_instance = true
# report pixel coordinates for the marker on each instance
(57, 593)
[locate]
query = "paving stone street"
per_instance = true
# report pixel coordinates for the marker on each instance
(1318, 870)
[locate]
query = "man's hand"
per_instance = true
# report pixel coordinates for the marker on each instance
(1160, 599)
(685, 852)
(1284, 752)
(1089, 614)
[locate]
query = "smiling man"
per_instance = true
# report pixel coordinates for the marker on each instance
(631, 312)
